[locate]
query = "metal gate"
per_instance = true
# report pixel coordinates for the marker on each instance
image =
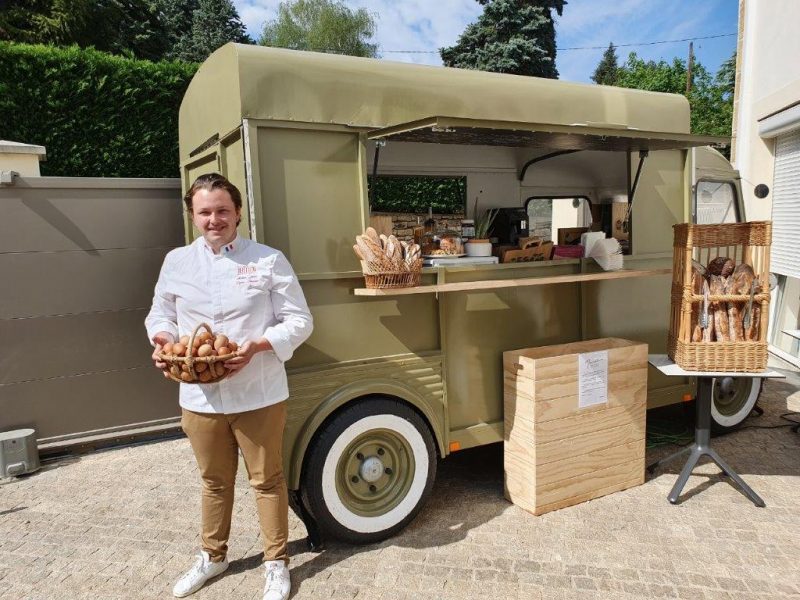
(78, 261)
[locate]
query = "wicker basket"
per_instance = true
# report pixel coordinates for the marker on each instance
(374, 278)
(190, 362)
(744, 243)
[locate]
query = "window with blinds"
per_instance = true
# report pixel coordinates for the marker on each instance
(785, 259)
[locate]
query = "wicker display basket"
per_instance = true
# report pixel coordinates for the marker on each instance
(189, 364)
(747, 243)
(376, 278)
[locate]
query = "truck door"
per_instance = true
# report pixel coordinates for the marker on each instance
(219, 155)
(716, 189)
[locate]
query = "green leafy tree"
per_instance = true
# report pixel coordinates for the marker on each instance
(710, 99)
(726, 76)
(187, 30)
(119, 26)
(214, 24)
(511, 36)
(606, 71)
(175, 17)
(321, 26)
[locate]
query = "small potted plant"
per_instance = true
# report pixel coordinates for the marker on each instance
(480, 245)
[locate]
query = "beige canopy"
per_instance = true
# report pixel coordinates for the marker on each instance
(578, 136)
(253, 82)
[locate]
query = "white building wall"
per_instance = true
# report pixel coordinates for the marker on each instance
(768, 82)
(768, 86)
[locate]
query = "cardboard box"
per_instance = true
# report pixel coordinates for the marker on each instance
(574, 422)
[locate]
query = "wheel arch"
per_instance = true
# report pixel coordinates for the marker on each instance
(345, 396)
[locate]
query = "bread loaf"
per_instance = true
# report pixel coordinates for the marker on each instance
(718, 287)
(739, 283)
(708, 332)
(722, 265)
(698, 279)
(751, 333)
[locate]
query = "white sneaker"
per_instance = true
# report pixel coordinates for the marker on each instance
(202, 570)
(278, 584)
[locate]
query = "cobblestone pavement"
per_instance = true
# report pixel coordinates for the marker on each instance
(123, 524)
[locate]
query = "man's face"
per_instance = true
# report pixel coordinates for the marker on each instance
(215, 216)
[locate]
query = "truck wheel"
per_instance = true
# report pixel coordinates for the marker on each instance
(369, 471)
(733, 398)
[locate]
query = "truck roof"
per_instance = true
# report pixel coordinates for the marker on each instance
(255, 82)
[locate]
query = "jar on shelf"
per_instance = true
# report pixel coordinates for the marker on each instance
(450, 243)
(429, 243)
(467, 230)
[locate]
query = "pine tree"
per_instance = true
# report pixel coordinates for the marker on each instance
(214, 24)
(511, 36)
(606, 71)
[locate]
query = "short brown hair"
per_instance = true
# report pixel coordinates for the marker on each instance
(213, 181)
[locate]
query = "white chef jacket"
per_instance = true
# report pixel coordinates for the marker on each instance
(247, 291)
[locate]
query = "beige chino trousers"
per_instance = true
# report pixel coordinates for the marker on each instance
(215, 440)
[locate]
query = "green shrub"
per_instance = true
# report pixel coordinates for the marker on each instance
(98, 115)
(447, 195)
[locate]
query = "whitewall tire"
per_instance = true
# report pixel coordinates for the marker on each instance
(733, 399)
(369, 470)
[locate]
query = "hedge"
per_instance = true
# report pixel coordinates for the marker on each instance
(446, 195)
(97, 114)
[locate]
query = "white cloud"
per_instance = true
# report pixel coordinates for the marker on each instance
(254, 13)
(402, 25)
(427, 25)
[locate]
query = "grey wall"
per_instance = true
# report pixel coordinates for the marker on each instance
(78, 261)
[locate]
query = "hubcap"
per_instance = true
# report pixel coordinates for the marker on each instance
(375, 472)
(730, 395)
(371, 469)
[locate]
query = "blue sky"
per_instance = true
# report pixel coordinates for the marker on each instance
(426, 25)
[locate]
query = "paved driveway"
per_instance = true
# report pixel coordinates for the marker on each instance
(122, 524)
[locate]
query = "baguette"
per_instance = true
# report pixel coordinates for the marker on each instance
(698, 279)
(708, 332)
(718, 287)
(751, 333)
(740, 283)
(372, 234)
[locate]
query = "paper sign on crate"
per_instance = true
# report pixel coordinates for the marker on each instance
(592, 378)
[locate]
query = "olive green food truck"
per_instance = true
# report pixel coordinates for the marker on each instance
(390, 382)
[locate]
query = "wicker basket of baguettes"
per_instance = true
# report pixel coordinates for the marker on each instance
(199, 357)
(720, 297)
(387, 262)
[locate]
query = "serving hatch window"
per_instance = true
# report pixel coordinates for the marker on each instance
(548, 214)
(715, 202)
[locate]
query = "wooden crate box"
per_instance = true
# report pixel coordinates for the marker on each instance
(557, 453)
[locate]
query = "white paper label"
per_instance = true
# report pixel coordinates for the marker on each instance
(592, 378)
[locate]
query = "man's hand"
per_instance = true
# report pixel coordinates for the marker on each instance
(245, 354)
(160, 340)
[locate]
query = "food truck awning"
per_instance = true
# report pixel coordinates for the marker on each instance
(577, 136)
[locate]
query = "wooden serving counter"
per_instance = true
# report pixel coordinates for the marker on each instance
(493, 282)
